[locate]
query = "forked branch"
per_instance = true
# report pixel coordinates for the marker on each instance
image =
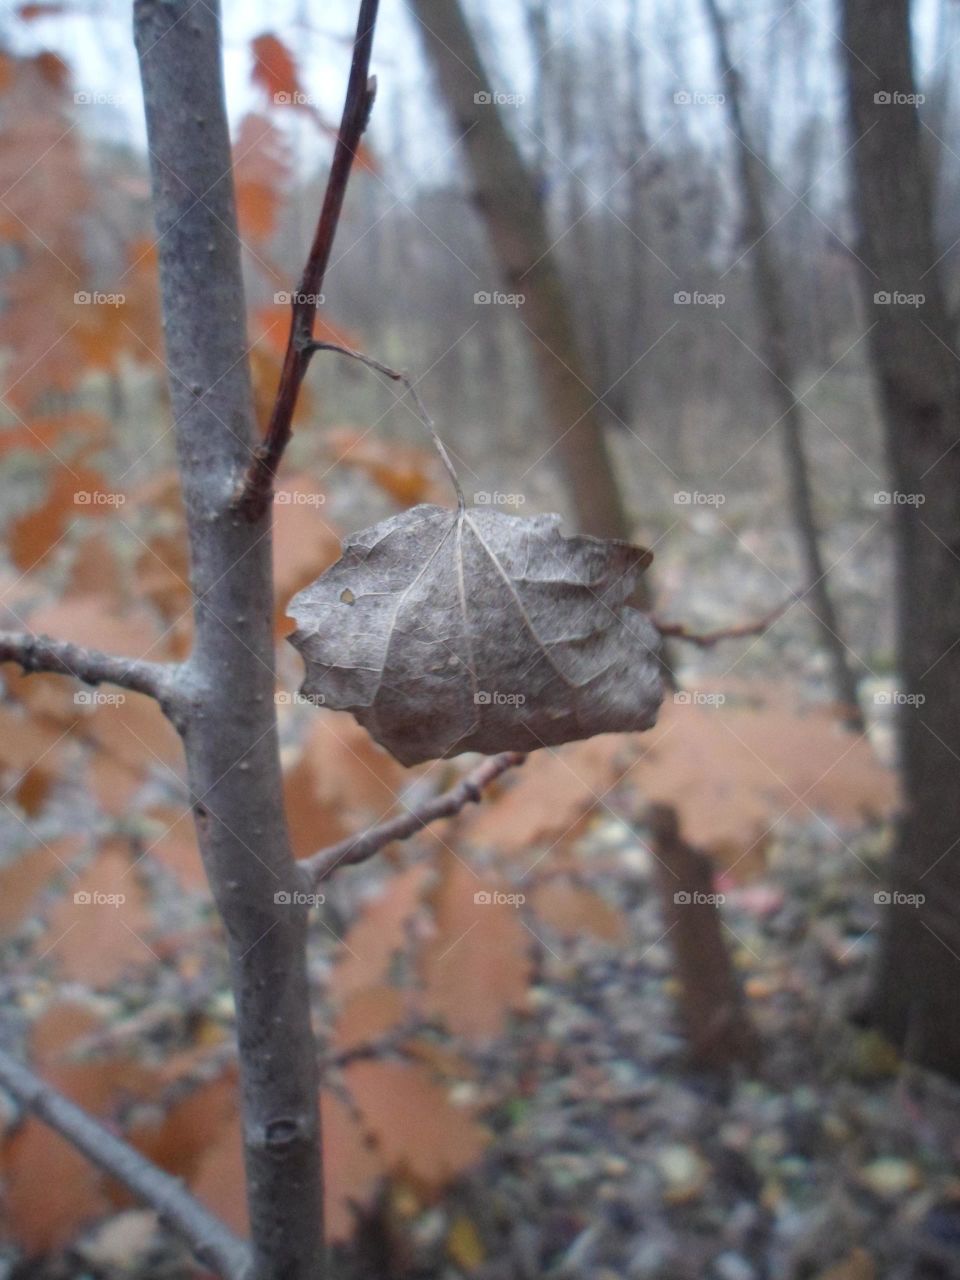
(359, 848)
(257, 486)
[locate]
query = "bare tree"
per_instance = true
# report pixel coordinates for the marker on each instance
(221, 699)
(915, 993)
(512, 209)
(774, 307)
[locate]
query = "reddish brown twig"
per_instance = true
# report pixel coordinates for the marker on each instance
(359, 848)
(706, 640)
(254, 493)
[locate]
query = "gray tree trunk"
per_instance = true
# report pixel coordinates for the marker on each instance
(774, 308)
(915, 993)
(229, 730)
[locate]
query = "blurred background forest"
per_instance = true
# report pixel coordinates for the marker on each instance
(510, 1089)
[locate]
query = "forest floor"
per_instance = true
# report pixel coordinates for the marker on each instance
(619, 1161)
(611, 1158)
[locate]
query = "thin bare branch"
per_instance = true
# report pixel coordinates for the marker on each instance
(254, 493)
(41, 653)
(359, 848)
(213, 1244)
(707, 639)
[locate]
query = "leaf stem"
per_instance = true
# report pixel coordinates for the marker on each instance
(396, 375)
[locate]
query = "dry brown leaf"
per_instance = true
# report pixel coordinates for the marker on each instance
(443, 1062)
(46, 697)
(163, 576)
(381, 931)
(573, 910)
(60, 434)
(446, 632)
(418, 1130)
(172, 840)
(133, 740)
(91, 935)
(358, 778)
(36, 750)
(23, 880)
(476, 971)
(94, 563)
(352, 1167)
(34, 535)
(95, 621)
(218, 1180)
(734, 771)
(550, 799)
(59, 1026)
(275, 72)
(179, 1140)
(50, 1188)
(408, 473)
(262, 171)
(311, 822)
(368, 1014)
(304, 544)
